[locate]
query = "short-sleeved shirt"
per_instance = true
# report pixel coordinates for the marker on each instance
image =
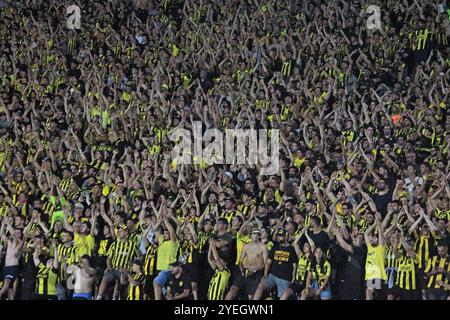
(180, 284)
(321, 240)
(224, 252)
(84, 245)
(167, 253)
(283, 258)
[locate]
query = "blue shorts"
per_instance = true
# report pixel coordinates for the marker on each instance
(325, 294)
(162, 277)
(82, 296)
(281, 284)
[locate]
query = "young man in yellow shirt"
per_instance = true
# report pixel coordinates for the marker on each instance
(375, 261)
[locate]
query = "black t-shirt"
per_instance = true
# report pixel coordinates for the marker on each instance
(178, 285)
(391, 179)
(354, 267)
(102, 245)
(321, 240)
(381, 202)
(276, 65)
(282, 258)
(272, 204)
(225, 251)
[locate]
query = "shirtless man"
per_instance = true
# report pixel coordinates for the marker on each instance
(253, 259)
(13, 245)
(84, 276)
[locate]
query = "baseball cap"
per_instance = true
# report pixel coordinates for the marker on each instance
(255, 230)
(229, 174)
(176, 264)
(79, 205)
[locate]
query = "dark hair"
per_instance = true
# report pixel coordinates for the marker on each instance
(241, 220)
(214, 193)
(122, 215)
(87, 257)
(223, 220)
(442, 243)
(70, 233)
(316, 220)
(87, 223)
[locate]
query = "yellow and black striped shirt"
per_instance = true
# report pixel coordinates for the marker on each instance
(203, 238)
(150, 260)
(391, 260)
(406, 273)
(65, 184)
(422, 247)
(190, 252)
(47, 205)
(286, 68)
(229, 215)
(135, 237)
(441, 263)
(303, 266)
(246, 209)
(218, 284)
(122, 253)
(46, 281)
(70, 254)
(136, 292)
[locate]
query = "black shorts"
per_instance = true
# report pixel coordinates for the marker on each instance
(235, 272)
(192, 271)
(99, 271)
(297, 287)
(404, 294)
(248, 283)
(421, 280)
(45, 297)
(11, 273)
(148, 285)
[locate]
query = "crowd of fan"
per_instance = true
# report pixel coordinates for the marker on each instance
(93, 206)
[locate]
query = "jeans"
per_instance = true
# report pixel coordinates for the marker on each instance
(326, 293)
(162, 278)
(61, 292)
(281, 284)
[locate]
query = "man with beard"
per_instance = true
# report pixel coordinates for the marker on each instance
(280, 267)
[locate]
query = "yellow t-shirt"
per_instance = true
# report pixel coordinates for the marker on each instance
(375, 268)
(167, 253)
(84, 245)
